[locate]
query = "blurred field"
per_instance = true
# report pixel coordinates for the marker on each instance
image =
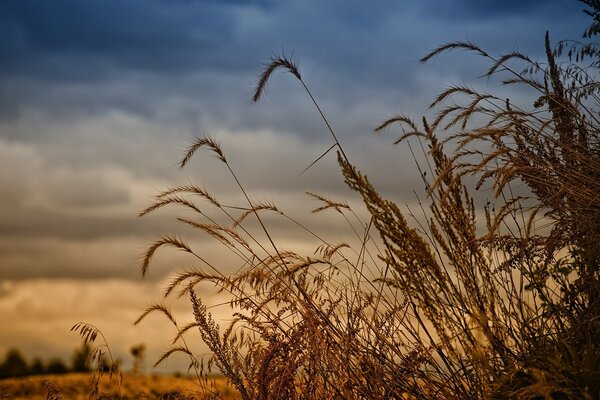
(77, 386)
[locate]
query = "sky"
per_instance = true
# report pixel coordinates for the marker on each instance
(100, 99)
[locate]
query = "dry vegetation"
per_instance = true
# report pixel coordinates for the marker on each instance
(443, 309)
(77, 387)
(499, 300)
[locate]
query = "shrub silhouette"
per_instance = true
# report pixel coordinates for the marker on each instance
(138, 352)
(497, 300)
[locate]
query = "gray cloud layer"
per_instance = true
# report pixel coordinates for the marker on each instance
(97, 100)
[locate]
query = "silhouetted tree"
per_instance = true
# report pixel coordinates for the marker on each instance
(14, 365)
(37, 367)
(80, 359)
(57, 366)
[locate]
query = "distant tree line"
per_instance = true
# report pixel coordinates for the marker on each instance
(15, 365)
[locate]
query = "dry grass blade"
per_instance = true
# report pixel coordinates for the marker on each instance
(156, 307)
(397, 119)
(328, 204)
(165, 240)
(183, 330)
(192, 189)
(276, 63)
(466, 45)
(452, 90)
(254, 210)
(403, 121)
(524, 81)
(52, 390)
(293, 268)
(170, 200)
(172, 350)
(328, 250)
(503, 59)
(88, 332)
(199, 142)
(211, 229)
(319, 158)
(194, 275)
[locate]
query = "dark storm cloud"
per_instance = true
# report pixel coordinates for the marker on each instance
(86, 40)
(73, 57)
(494, 9)
(95, 36)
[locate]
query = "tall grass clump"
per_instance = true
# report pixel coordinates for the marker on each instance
(496, 300)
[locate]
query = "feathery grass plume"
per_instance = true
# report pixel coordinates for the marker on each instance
(328, 250)
(256, 208)
(156, 308)
(224, 357)
(199, 142)
(277, 62)
(165, 240)
(283, 62)
(458, 45)
(328, 204)
(190, 188)
(403, 121)
(173, 350)
(169, 200)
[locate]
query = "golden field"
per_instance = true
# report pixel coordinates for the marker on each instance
(77, 386)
